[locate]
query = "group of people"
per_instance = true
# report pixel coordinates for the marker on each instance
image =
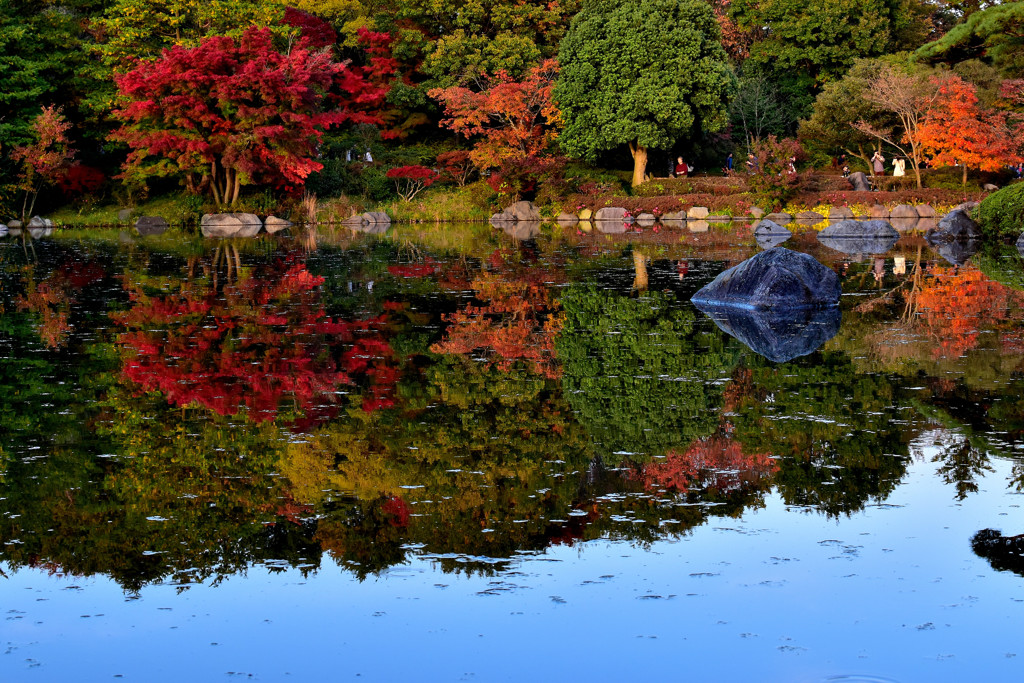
(899, 165)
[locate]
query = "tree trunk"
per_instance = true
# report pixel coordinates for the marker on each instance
(639, 163)
(640, 279)
(964, 180)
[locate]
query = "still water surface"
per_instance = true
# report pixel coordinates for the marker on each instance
(387, 457)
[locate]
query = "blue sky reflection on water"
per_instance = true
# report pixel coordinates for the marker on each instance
(893, 591)
(544, 461)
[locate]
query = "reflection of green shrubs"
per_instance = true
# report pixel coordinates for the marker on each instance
(640, 373)
(1002, 263)
(1001, 214)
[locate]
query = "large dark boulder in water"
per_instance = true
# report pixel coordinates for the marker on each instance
(860, 237)
(777, 279)
(956, 252)
(778, 335)
(955, 225)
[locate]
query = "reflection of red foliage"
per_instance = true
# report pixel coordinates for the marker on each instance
(52, 298)
(955, 304)
(515, 321)
(714, 463)
(425, 269)
(397, 511)
(255, 345)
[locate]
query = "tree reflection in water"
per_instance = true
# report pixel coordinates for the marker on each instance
(266, 408)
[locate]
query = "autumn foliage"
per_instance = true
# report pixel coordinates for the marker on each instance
(716, 463)
(263, 344)
(958, 130)
(45, 160)
(956, 304)
(513, 320)
(229, 113)
(411, 180)
(511, 119)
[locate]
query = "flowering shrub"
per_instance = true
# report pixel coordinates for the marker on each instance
(411, 180)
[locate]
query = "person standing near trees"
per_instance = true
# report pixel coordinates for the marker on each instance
(878, 163)
(899, 167)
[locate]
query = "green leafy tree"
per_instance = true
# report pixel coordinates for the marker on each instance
(642, 73)
(838, 107)
(994, 34)
(639, 371)
(802, 45)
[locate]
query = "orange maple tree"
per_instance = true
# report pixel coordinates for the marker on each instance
(716, 463)
(958, 130)
(956, 304)
(514, 320)
(513, 119)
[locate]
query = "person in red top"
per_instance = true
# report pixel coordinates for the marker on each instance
(681, 168)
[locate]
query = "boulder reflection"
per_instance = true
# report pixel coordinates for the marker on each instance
(778, 335)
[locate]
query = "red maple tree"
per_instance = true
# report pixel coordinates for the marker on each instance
(958, 130)
(232, 113)
(44, 160)
(261, 344)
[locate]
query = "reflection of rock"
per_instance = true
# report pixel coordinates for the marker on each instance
(904, 217)
(567, 220)
(230, 225)
(769, 234)
(1004, 553)
(777, 278)
(498, 220)
(859, 245)
(698, 226)
(859, 237)
(274, 224)
(151, 225)
(585, 226)
(674, 219)
(522, 230)
(809, 218)
(611, 227)
(859, 181)
(3, 230)
(956, 251)
(839, 213)
(954, 237)
(778, 335)
(646, 220)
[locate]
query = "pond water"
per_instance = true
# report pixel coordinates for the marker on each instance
(428, 456)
